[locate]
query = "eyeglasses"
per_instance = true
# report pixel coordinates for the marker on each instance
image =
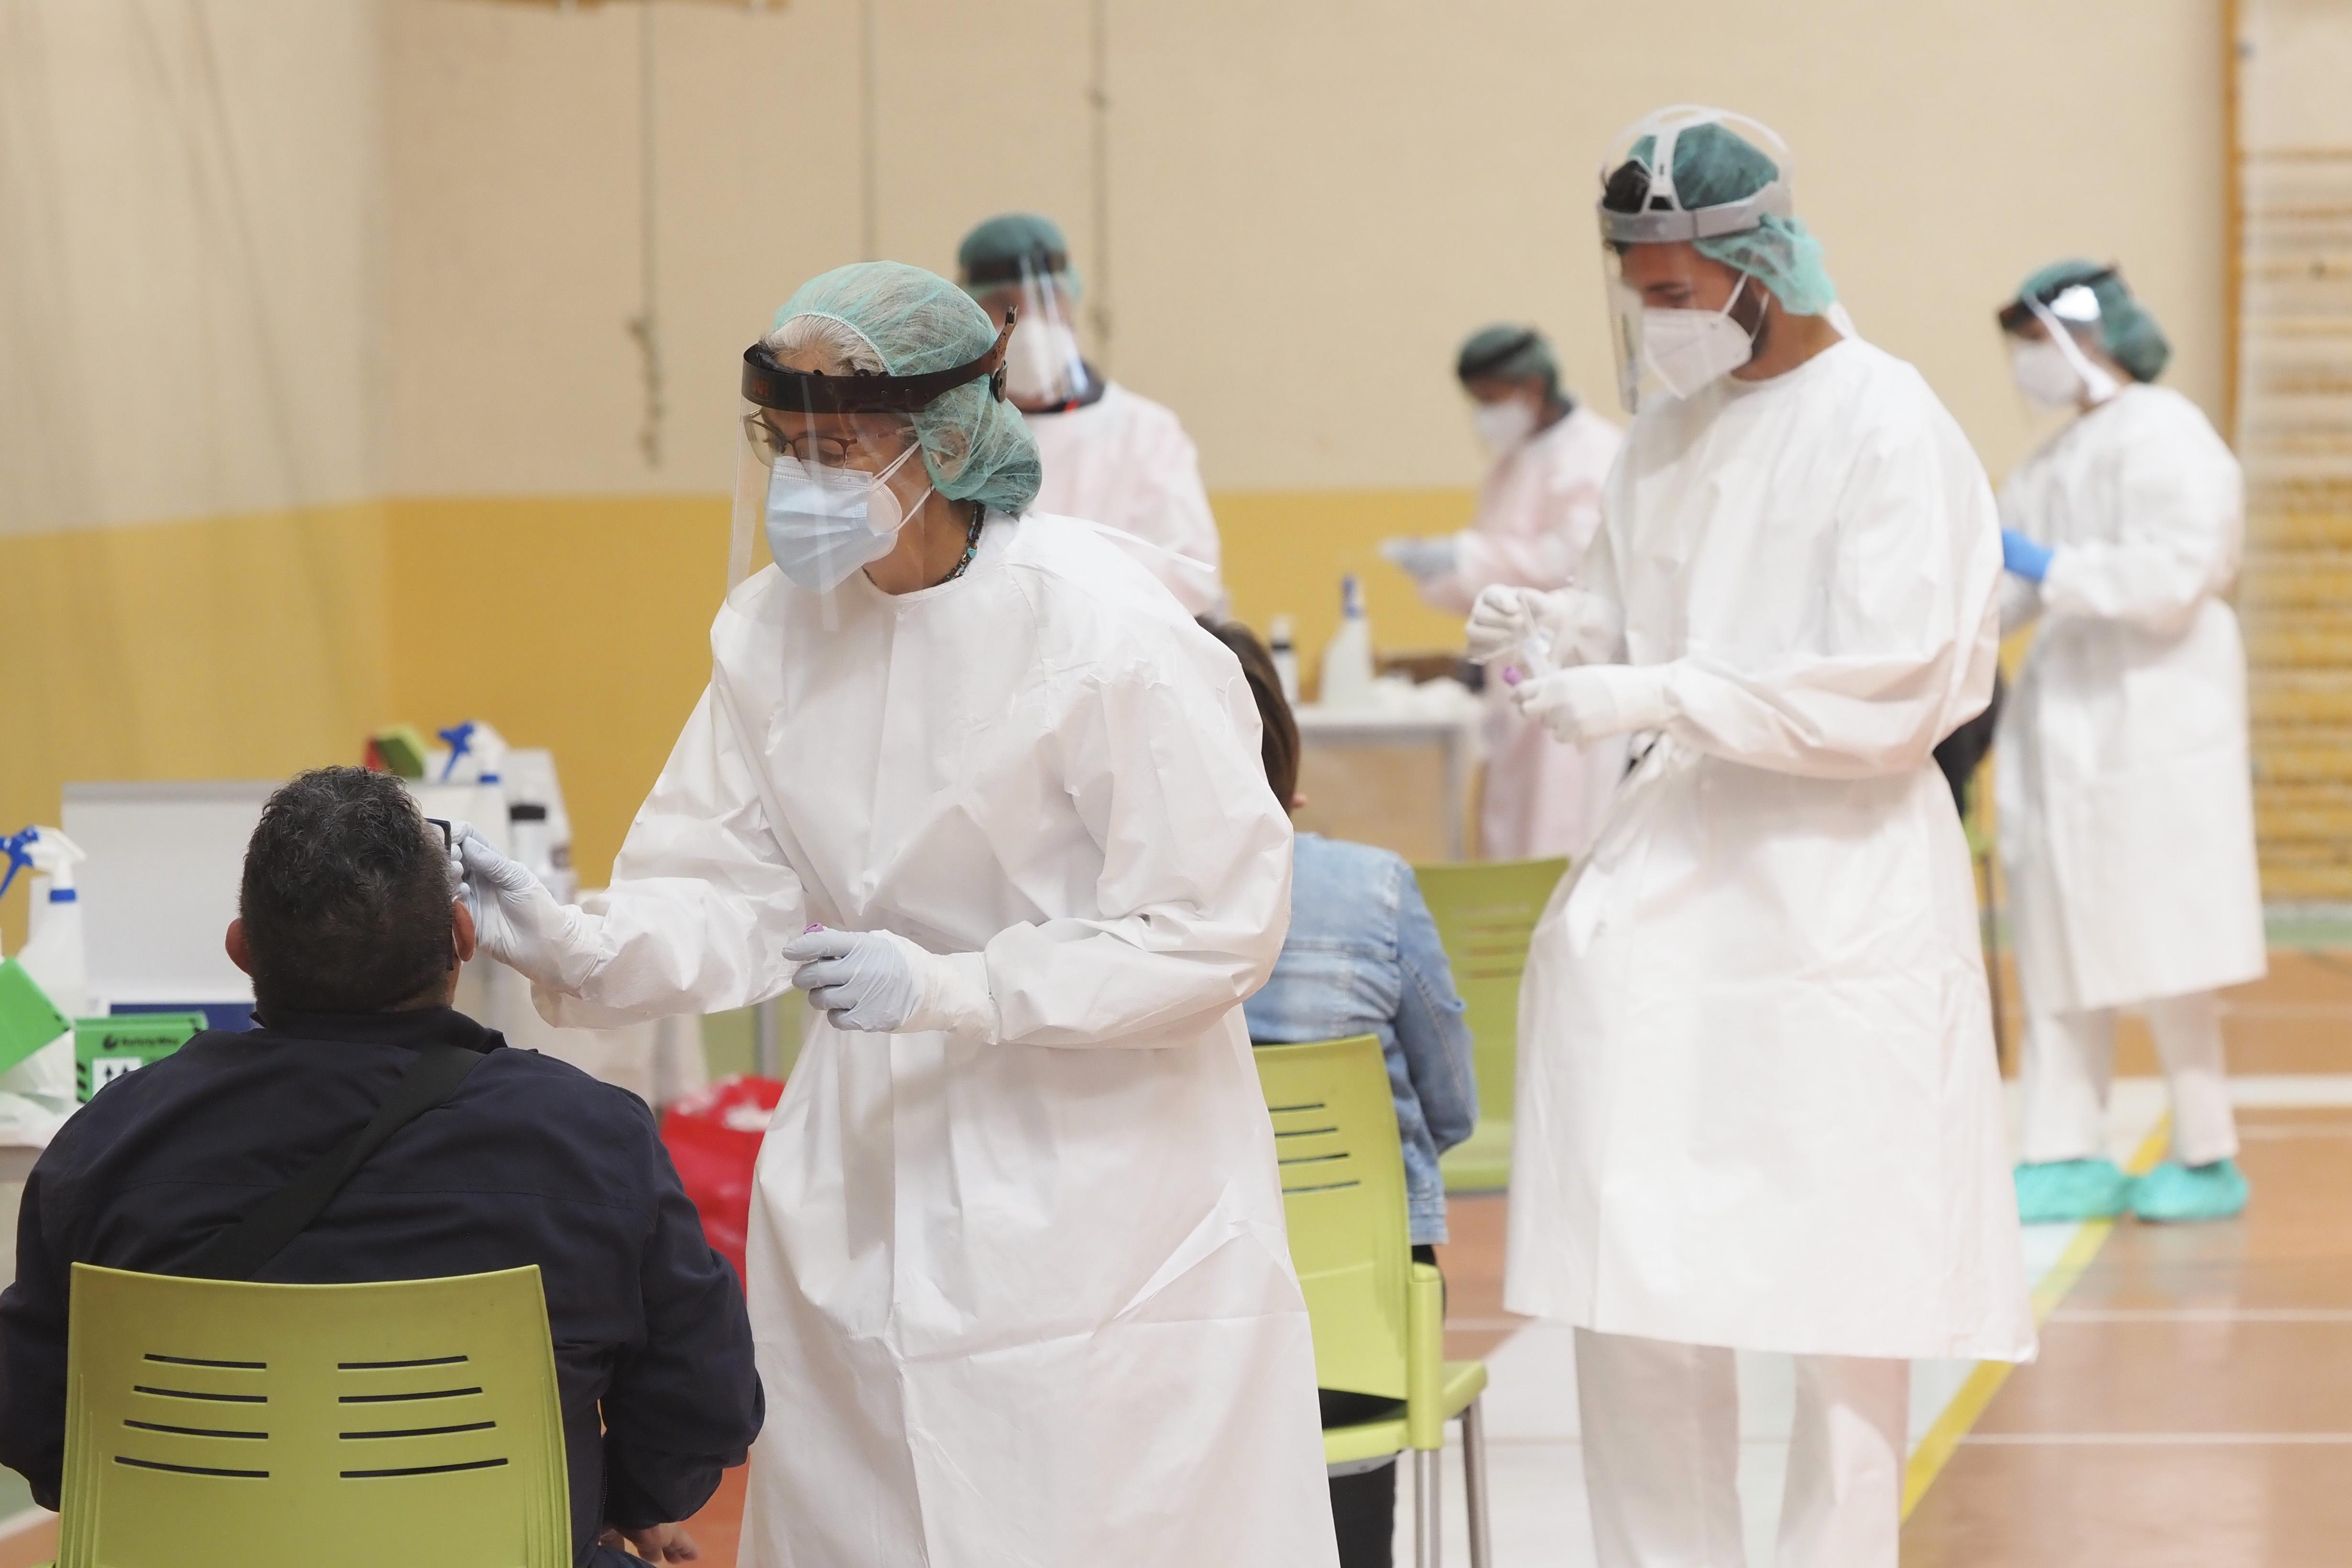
(825, 451)
(447, 840)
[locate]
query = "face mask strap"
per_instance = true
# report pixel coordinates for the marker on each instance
(1737, 290)
(2096, 382)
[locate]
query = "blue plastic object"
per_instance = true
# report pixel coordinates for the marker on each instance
(2174, 1193)
(2022, 556)
(18, 847)
(460, 738)
(2066, 1192)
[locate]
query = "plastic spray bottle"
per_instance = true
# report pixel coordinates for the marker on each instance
(1348, 657)
(53, 954)
(37, 1093)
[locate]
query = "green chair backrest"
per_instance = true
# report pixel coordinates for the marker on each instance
(1334, 1135)
(1486, 912)
(211, 1423)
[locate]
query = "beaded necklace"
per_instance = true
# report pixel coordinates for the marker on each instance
(970, 544)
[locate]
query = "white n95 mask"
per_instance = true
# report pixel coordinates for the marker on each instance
(1503, 426)
(824, 524)
(2044, 373)
(1687, 350)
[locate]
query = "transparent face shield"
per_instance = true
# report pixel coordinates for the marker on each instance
(1639, 206)
(830, 468)
(1044, 367)
(2046, 339)
(815, 489)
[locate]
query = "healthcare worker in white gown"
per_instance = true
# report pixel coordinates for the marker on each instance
(1538, 510)
(1110, 455)
(1757, 1104)
(2126, 799)
(1017, 1265)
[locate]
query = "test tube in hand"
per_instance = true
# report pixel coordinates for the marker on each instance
(1532, 660)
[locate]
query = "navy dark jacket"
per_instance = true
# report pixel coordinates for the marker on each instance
(530, 1160)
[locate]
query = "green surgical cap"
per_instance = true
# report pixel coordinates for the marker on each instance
(1506, 352)
(974, 443)
(2127, 329)
(999, 245)
(1714, 165)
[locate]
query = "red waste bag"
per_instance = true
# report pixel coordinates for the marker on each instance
(713, 1137)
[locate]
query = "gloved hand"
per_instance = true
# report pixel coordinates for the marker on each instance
(2023, 557)
(1593, 701)
(877, 982)
(1577, 627)
(861, 979)
(1502, 618)
(1423, 559)
(517, 920)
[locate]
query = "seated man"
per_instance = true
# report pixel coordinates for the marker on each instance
(348, 928)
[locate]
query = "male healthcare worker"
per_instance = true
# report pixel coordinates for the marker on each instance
(1538, 510)
(2127, 804)
(1757, 1098)
(1109, 456)
(969, 778)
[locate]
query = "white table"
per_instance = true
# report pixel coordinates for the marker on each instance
(1457, 737)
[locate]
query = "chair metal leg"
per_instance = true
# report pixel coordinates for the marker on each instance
(1474, 1485)
(1428, 1545)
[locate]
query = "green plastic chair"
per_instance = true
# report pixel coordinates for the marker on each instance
(211, 1424)
(1379, 1317)
(1486, 913)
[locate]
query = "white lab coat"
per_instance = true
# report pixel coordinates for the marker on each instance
(1027, 1300)
(1757, 1104)
(2126, 799)
(1125, 461)
(1538, 510)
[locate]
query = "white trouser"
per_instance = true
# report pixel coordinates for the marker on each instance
(2069, 1058)
(1662, 1457)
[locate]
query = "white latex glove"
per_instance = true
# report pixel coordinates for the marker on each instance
(1576, 626)
(878, 982)
(1591, 703)
(518, 922)
(1501, 619)
(1423, 559)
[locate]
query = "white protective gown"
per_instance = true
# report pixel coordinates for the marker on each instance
(1757, 1104)
(2127, 798)
(1027, 1301)
(1539, 509)
(1125, 461)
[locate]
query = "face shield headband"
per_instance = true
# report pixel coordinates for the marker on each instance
(1663, 219)
(769, 385)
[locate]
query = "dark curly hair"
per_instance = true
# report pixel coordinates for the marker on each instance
(346, 898)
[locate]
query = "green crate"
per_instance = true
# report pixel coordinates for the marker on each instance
(106, 1048)
(28, 1019)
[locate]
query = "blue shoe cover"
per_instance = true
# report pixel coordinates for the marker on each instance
(2174, 1193)
(2066, 1191)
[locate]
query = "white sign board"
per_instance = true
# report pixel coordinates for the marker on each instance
(160, 886)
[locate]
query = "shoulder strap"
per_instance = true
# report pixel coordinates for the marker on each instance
(240, 1251)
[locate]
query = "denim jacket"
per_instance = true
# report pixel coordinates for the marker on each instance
(1362, 958)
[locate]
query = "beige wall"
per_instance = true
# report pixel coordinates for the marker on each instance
(1309, 204)
(188, 259)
